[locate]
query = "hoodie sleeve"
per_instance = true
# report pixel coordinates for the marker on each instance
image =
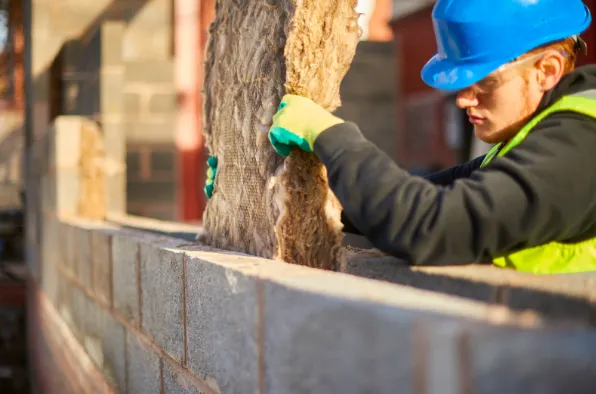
(450, 175)
(444, 177)
(543, 190)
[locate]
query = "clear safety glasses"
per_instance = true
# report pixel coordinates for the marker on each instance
(505, 73)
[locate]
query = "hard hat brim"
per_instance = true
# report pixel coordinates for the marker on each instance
(443, 74)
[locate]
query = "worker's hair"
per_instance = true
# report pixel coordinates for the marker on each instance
(568, 47)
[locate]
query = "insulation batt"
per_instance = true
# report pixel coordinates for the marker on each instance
(258, 51)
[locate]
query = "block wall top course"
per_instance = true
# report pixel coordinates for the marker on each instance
(176, 237)
(457, 280)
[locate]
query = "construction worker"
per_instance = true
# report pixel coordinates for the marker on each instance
(530, 203)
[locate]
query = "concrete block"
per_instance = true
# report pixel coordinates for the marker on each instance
(64, 305)
(151, 191)
(149, 32)
(67, 142)
(555, 306)
(147, 43)
(320, 343)
(161, 294)
(78, 307)
(112, 34)
(125, 255)
(438, 354)
(84, 256)
(151, 131)
(76, 19)
(142, 366)
(163, 162)
(114, 353)
(375, 265)
(132, 105)
(101, 244)
(116, 191)
(114, 143)
(177, 381)
(157, 71)
(559, 297)
(509, 360)
(115, 169)
(49, 193)
(50, 242)
(68, 247)
(221, 310)
(68, 188)
(163, 103)
(111, 96)
(51, 280)
(93, 330)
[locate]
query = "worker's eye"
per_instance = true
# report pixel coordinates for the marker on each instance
(488, 84)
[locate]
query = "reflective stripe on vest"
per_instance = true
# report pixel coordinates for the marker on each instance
(554, 257)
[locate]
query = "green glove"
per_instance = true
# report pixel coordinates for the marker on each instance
(211, 172)
(297, 123)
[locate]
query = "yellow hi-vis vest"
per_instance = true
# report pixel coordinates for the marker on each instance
(554, 257)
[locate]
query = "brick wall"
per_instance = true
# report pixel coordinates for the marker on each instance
(118, 306)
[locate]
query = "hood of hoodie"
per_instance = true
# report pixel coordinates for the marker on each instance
(581, 79)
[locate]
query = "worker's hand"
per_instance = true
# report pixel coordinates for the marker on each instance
(211, 172)
(297, 123)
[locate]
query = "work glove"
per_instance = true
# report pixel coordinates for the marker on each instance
(297, 123)
(211, 172)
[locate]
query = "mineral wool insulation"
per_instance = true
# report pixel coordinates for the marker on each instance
(258, 51)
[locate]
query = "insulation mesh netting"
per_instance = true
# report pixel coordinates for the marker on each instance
(258, 51)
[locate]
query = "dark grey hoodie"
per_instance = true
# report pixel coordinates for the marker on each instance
(543, 190)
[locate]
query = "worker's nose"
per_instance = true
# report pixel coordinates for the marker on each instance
(466, 98)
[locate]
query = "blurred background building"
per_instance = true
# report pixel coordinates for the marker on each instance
(135, 67)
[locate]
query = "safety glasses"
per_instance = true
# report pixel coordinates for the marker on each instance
(506, 73)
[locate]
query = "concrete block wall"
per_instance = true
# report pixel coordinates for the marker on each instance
(151, 313)
(150, 107)
(118, 306)
(112, 62)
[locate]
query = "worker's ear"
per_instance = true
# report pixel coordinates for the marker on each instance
(550, 70)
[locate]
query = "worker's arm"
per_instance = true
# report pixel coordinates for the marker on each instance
(448, 176)
(540, 191)
(444, 177)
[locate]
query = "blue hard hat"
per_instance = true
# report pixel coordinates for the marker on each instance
(475, 37)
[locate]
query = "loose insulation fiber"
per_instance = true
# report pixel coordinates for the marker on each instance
(258, 51)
